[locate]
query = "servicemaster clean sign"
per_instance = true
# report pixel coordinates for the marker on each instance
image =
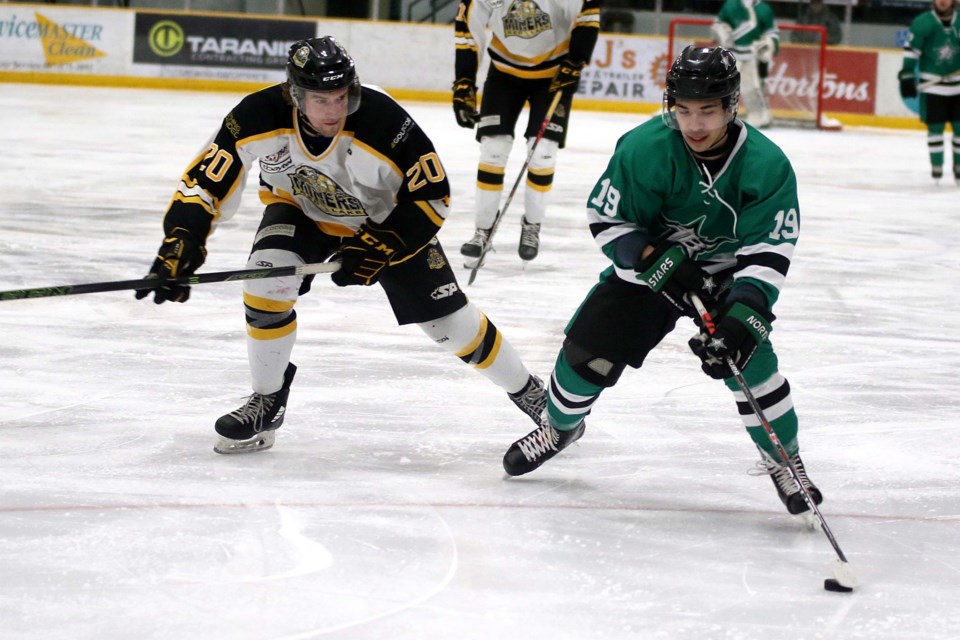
(63, 40)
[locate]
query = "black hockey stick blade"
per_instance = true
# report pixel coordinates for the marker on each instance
(153, 283)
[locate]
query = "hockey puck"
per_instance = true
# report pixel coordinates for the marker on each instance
(831, 584)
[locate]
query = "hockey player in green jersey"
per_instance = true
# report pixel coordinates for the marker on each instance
(933, 52)
(694, 202)
(747, 28)
(345, 173)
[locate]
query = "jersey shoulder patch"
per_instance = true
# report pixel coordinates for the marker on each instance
(260, 112)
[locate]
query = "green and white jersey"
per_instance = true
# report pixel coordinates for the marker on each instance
(934, 50)
(741, 224)
(749, 20)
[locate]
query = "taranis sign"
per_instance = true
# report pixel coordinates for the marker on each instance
(849, 81)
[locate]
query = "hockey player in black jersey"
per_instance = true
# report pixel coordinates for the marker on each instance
(347, 174)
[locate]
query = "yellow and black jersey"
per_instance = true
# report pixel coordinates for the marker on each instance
(527, 38)
(380, 165)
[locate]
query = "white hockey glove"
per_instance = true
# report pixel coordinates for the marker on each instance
(764, 49)
(722, 34)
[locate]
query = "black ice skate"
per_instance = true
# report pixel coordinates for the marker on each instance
(786, 486)
(529, 240)
(531, 451)
(474, 248)
(252, 426)
(532, 399)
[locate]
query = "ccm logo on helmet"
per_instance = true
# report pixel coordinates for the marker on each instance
(332, 78)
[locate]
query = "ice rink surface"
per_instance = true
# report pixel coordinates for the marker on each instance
(382, 511)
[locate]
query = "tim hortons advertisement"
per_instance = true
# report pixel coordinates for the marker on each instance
(849, 82)
(634, 69)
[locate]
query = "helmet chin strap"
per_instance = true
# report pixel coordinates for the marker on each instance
(305, 124)
(311, 131)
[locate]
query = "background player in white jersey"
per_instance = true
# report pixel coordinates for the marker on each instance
(747, 28)
(698, 203)
(345, 172)
(536, 48)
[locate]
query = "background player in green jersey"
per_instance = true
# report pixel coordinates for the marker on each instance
(933, 52)
(695, 202)
(748, 29)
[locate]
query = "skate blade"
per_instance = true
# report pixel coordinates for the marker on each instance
(259, 442)
(471, 263)
(810, 521)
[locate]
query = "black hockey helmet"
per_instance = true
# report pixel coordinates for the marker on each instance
(702, 73)
(322, 64)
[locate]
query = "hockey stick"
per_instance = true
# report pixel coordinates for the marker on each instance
(950, 77)
(523, 170)
(153, 283)
(842, 572)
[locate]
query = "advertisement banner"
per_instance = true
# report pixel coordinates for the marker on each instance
(54, 40)
(625, 69)
(216, 47)
(849, 82)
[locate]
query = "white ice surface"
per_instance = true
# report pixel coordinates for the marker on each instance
(382, 511)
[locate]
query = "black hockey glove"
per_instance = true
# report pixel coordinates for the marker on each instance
(739, 331)
(465, 103)
(908, 83)
(364, 254)
(181, 254)
(668, 272)
(567, 77)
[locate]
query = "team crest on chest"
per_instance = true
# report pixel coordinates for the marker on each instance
(525, 19)
(946, 53)
(324, 193)
(691, 237)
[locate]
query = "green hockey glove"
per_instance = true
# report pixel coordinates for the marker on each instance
(739, 331)
(181, 254)
(364, 254)
(670, 273)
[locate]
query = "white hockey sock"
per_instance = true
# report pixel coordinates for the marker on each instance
(494, 151)
(469, 335)
(271, 320)
(540, 172)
